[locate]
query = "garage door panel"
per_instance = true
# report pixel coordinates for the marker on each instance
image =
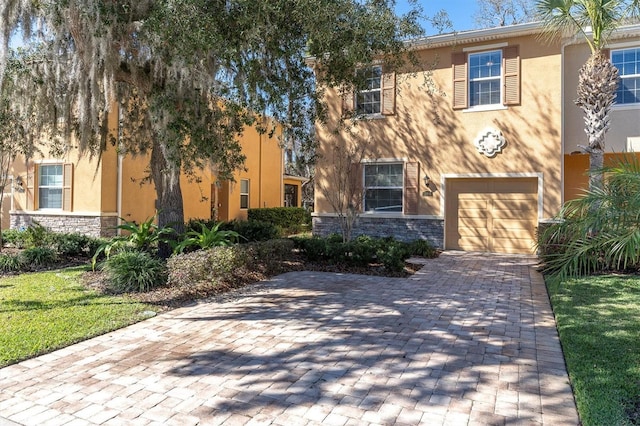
(513, 234)
(522, 204)
(506, 245)
(492, 214)
(473, 244)
(514, 225)
(473, 213)
(472, 222)
(473, 232)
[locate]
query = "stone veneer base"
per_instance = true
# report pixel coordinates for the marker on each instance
(94, 226)
(401, 228)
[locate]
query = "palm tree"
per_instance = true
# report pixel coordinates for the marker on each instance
(593, 20)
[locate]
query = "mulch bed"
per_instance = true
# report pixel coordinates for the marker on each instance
(169, 297)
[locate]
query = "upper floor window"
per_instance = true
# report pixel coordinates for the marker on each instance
(628, 63)
(368, 100)
(485, 78)
(244, 193)
(377, 98)
(50, 185)
(383, 187)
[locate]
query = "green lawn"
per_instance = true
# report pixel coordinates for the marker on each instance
(43, 311)
(599, 324)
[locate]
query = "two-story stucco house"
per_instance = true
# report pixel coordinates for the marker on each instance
(481, 162)
(78, 193)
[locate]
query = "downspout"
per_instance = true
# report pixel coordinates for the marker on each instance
(119, 173)
(562, 128)
(260, 171)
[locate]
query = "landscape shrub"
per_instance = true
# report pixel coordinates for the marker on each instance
(393, 255)
(36, 257)
(254, 230)
(423, 248)
(14, 237)
(267, 256)
(284, 217)
(37, 235)
(72, 244)
(11, 262)
(205, 265)
(134, 271)
(314, 248)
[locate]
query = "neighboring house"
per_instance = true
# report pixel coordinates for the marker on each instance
(478, 164)
(624, 135)
(77, 193)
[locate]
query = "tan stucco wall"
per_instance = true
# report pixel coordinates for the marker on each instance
(263, 168)
(139, 194)
(426, 129)
(90, 196)
(625, 121)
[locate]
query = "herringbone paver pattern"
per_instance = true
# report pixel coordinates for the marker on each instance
(470, 339)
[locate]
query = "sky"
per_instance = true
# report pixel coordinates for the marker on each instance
(460, 12)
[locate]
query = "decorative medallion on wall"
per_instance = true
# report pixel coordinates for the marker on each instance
(490, 142)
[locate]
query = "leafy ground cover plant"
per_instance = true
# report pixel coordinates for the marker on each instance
(207, 237)
(139, 237)
(134, 270)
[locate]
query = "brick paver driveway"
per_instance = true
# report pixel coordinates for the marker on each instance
(468, 340)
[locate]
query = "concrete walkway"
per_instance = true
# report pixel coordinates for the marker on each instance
(470, 339)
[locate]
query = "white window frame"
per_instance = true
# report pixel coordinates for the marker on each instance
(370, 78)
(367, 188)
(623, 77)
(244, 193)
(472, 80)
(42, 167)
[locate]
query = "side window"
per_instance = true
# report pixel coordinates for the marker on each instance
(378, 98)
(383, 187)
(50, 186)
(244, 193)
(485, 78)
(368, 100)
(627, 61)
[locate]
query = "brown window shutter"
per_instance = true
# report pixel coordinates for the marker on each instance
(67, 184)
(606, 53)
(460, 89)
(347, 101)
(411, 188)
(388, 93)
(354, 192)
(511, 66)
(32, 188)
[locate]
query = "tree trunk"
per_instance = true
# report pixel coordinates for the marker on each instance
(597, 85)
(166, 178)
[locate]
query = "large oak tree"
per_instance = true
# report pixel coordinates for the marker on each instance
(189, 75)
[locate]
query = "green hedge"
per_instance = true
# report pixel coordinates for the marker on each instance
(284, 217)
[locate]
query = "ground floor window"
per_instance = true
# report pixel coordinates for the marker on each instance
(383, 184)
(244, 193)
(50, 185)
(290, 195)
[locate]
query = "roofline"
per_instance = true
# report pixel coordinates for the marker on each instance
(474, 36)
(293, 177)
